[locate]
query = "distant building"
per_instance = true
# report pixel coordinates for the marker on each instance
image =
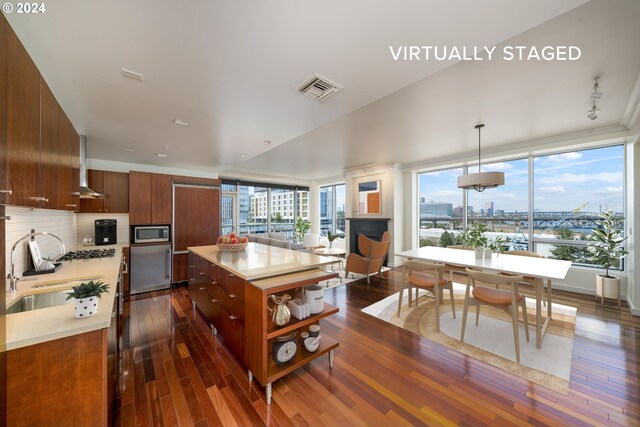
(436, 209)
(488, 208)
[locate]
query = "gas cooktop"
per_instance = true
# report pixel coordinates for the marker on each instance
(87, 254)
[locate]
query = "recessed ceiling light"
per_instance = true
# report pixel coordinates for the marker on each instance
(128, 150)
(181, 122)
(161, 155)
(267, 142)
(242, 156)
(132, 74)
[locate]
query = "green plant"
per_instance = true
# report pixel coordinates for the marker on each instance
(497, 244)
(302, 226)
(89, 289)
(606, 248)
(331, 237)
(475, 235)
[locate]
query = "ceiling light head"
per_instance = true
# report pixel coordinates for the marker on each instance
(132, 74)
(180, 122)
(591, 114)
(128, 150)
(596, 94)
(161, 155)
(243, 156)
(267, 142)
(482, 180)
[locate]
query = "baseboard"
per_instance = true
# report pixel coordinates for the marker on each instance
(635, 311)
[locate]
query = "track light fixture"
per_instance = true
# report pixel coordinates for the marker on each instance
(595, 97)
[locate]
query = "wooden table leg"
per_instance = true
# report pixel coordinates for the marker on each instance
(539, 291)
(268, 393)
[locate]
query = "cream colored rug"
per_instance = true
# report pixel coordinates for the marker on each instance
(492, 340)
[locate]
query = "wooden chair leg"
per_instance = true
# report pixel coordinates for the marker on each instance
(464, 311)
(453, 305)
(400, 299)
(516, 338)
(437, 295)
(525, 318)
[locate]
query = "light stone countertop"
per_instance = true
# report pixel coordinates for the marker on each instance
(47, 324)
(258, 261)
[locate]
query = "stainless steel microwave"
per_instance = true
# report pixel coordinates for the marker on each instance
(150, 233)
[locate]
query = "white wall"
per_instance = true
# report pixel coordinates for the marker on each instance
(633, 221)
(86, 226)
(60, 223)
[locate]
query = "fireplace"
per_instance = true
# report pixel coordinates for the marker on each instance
(373, 228)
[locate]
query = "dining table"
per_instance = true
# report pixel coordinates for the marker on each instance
(544, 268)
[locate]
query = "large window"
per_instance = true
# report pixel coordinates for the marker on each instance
(332, 203)
(505, 209)
(263, 208)
(569, 190)
(440, 204)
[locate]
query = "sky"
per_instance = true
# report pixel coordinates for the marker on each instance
(562, 182)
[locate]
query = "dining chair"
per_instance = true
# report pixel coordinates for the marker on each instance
(427, 276)
(507, 301)
(528, 280)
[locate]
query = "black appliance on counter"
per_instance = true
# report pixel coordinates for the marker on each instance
(106, 232)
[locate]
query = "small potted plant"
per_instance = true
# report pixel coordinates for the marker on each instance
(475, 237)
(606, 250)
(86, 297)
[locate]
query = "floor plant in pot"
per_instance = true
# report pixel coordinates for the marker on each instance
(86, 298)
(606, 249)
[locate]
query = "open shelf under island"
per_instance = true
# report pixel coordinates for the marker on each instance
(232, 290)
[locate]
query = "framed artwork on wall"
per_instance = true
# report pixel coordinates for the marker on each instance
(369, 198)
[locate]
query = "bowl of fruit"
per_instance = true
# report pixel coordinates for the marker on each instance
(232, 243)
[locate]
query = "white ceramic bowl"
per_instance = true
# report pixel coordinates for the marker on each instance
(312, 343)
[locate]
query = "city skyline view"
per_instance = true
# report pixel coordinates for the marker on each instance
(562, 183)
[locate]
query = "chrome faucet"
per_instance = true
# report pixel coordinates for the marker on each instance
(13, 280)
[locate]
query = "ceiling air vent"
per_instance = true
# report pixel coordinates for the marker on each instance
(318, 88)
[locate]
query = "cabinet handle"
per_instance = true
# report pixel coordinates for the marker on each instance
(214, 283)
(232, 275)
(126, 268)
(70, 205)
(233, 317)
(232, 296)
(214, 300)
(5, 217)
(192, 266)
(75, 193)
(39, 199)
(192, 280)
(202, 288)
(201, 273)
(9, 192)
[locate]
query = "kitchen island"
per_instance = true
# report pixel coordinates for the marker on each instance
(233, 291)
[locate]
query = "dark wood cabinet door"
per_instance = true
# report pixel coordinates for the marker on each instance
(95, 180)
(139, 198)
(160, 199)
(4, 36)
(116, 185)
(68, 172)
(180, 268)
(22, 124)
(49, 165)
(125, 273)
(197, 216)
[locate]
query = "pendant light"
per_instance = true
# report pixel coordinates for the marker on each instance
(481, 180)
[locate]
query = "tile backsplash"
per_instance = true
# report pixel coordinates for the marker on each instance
(86, 226)
(23, 220)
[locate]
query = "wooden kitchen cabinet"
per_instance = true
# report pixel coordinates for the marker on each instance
(37, 133)
(69, 171)
(113, 184)
(149, 198)
(22, 123)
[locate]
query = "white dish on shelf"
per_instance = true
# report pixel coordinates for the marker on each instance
(312, 343)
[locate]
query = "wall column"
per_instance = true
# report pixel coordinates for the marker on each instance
(314, 207)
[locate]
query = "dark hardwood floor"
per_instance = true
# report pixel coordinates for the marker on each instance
(175, 373)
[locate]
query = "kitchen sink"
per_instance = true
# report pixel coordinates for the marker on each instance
(37, 301)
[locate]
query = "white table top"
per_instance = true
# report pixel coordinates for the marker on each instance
(332, 251)
(522, 265)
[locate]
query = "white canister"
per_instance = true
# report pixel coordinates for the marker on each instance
(314, 296)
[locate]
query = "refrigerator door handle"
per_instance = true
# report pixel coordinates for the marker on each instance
(167, 263)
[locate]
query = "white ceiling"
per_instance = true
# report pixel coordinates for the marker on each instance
(231, 69)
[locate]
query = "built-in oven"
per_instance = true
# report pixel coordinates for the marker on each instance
(150, 233)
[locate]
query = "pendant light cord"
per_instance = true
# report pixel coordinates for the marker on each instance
(480, 126)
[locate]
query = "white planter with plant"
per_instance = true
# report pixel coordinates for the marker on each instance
(86, 298)
(474, 236)
(607, 249)
(331, 237)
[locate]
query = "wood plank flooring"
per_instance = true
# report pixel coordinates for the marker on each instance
(176, 373)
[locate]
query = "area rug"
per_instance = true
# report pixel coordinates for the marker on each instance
(492, 340)
(342, 280)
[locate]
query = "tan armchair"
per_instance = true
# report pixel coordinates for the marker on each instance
(372, 258)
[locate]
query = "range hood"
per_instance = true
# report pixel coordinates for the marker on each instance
(85, 191)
